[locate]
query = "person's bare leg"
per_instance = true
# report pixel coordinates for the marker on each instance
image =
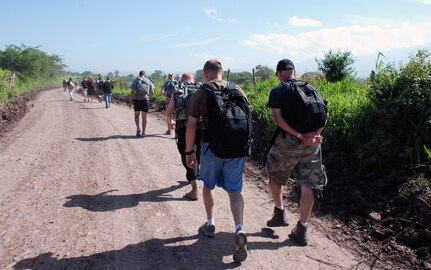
(306, 203)
(277, 193)
(144, 122)
(137, 119)
(237, 207)
(209, 201)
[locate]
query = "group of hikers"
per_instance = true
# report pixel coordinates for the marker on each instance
(213, 131)
(91, 89)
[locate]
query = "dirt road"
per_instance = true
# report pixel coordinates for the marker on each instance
(80, 191)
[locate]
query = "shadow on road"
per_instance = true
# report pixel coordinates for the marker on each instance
(185, 252)
(106, 202)
(97, 108)
(123, 137)
(97, 139)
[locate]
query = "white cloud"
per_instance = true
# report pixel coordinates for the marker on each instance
(210, 11)
(295, 21)
(427, 2)
(212, 14)
(355, 38)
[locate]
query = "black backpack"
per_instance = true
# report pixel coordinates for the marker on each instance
(181, 97)
(305, 110)
(171, 87)
(107, 87)
(229, 122)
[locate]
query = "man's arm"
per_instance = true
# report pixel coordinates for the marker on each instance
(279, 120)
(191, 129)
(132, 94)
(170, 110)
(162, 90)
(307, 139)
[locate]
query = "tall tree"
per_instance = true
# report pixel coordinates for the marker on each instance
(263, 72)
(336, 65)
(30, 62)
(157, 76)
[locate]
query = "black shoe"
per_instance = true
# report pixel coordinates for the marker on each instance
(207, 230)
(278, 219)
(299, 234)
(138, 133)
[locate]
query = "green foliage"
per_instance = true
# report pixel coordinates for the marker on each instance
(241, 77)
(336, 65)
(258, 95)
(3, 80)
(31, 63)
(263, 72)
(398, 121)
(347, 99)
(420, 186)
(157, 77)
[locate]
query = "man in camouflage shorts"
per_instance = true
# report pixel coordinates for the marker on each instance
(293, 153)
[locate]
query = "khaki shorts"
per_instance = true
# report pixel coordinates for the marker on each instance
(289, 156)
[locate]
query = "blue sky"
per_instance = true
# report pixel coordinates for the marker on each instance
(178, 36)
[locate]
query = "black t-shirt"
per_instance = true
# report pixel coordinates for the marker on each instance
(276, 97)
(107, 87)
(282, 97)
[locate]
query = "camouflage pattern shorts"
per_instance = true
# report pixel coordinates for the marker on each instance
(289, 156)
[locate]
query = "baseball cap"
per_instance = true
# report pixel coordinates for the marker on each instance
(285, 64)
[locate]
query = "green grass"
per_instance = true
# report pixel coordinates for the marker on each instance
(22, 87)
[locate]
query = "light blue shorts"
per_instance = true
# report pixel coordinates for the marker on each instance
(225, 173)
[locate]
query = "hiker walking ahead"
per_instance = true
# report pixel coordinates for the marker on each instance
(167, 89)
(70, 86)
(177, 106)
(141, 91)
(64, 85)
(91, 88)
(215, 170)
(107, 92)
(84, 86)
(297, 147)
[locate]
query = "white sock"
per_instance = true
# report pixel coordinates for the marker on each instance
(211, 222)
(303, 224)
(281, 207)
(239, 227)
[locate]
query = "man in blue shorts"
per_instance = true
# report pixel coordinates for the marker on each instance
(141, 91)
(225, 173)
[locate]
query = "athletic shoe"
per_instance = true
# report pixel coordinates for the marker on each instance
(207, 230)
(240, 253)
(138, 132)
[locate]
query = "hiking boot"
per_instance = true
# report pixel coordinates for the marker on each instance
(194, 193)
(299, 234)
(207, 230)
(278, 219)
(240, 253)
(138, 132)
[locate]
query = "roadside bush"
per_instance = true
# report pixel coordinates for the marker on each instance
(398, 125)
